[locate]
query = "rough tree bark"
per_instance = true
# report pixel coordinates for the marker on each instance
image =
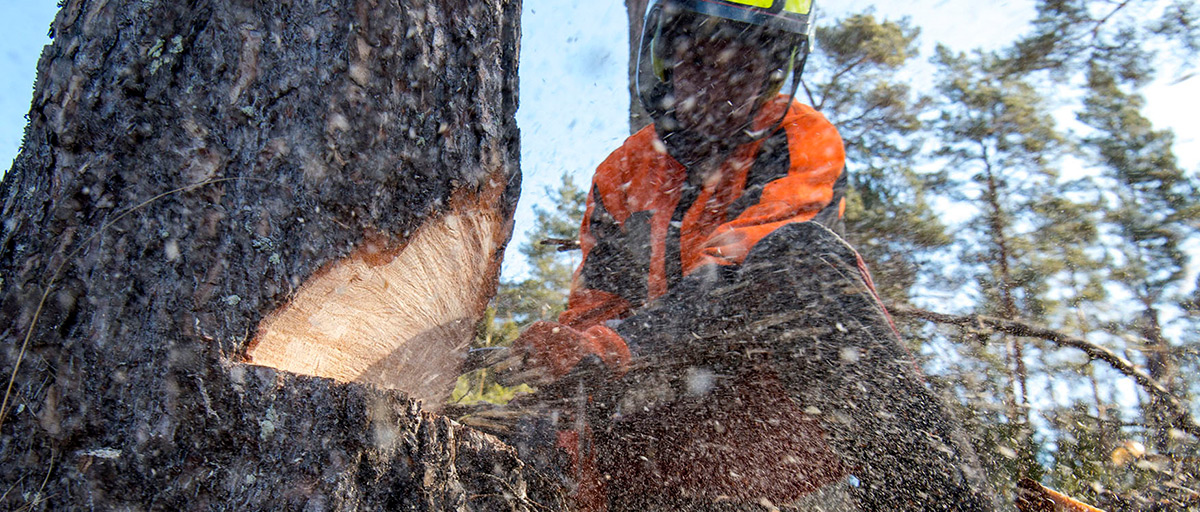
(338, 167)
(636, 11)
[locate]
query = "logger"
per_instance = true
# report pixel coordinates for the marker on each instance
(723, 347)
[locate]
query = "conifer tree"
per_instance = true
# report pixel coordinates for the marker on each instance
(1069, 34)
(1002, 149)
(852, 80)
(1150, 205)
(1123, 228)
(548, 252)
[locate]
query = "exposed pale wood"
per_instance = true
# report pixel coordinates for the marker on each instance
(400, 321)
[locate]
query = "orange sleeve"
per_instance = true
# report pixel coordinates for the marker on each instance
(817, 158)
(587, 307)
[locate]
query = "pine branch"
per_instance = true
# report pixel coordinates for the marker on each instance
(1183, 418)
(562, 244)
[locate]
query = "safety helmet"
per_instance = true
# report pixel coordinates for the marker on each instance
(781, 30)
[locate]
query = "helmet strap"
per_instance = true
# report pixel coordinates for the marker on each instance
(796, 72)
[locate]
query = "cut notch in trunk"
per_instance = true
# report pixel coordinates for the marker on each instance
(396, 318)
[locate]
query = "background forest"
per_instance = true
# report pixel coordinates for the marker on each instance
(1030, 229)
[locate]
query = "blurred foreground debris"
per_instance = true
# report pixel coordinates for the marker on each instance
(1033, 497)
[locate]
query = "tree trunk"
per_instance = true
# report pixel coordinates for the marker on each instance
(1160, 366)
(234, 231)
(638, 117)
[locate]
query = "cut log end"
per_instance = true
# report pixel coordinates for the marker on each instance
(399, 319)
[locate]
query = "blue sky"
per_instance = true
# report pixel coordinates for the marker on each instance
(23, 32)
(573, 63)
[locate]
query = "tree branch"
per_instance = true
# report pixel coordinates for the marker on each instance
(811, 100)
(833, 80)
(561, 244)
(1183, 418)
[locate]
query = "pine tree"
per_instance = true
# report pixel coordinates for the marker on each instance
(851, 79)
(1150, 205)
(1002, 149)
(1123, 231)
(1069, 34)
(543, 294)
(1056, 249)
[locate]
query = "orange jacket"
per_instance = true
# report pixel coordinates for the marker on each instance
(647, 224)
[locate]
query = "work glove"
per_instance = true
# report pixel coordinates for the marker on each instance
(564, 358)
(556, 349)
